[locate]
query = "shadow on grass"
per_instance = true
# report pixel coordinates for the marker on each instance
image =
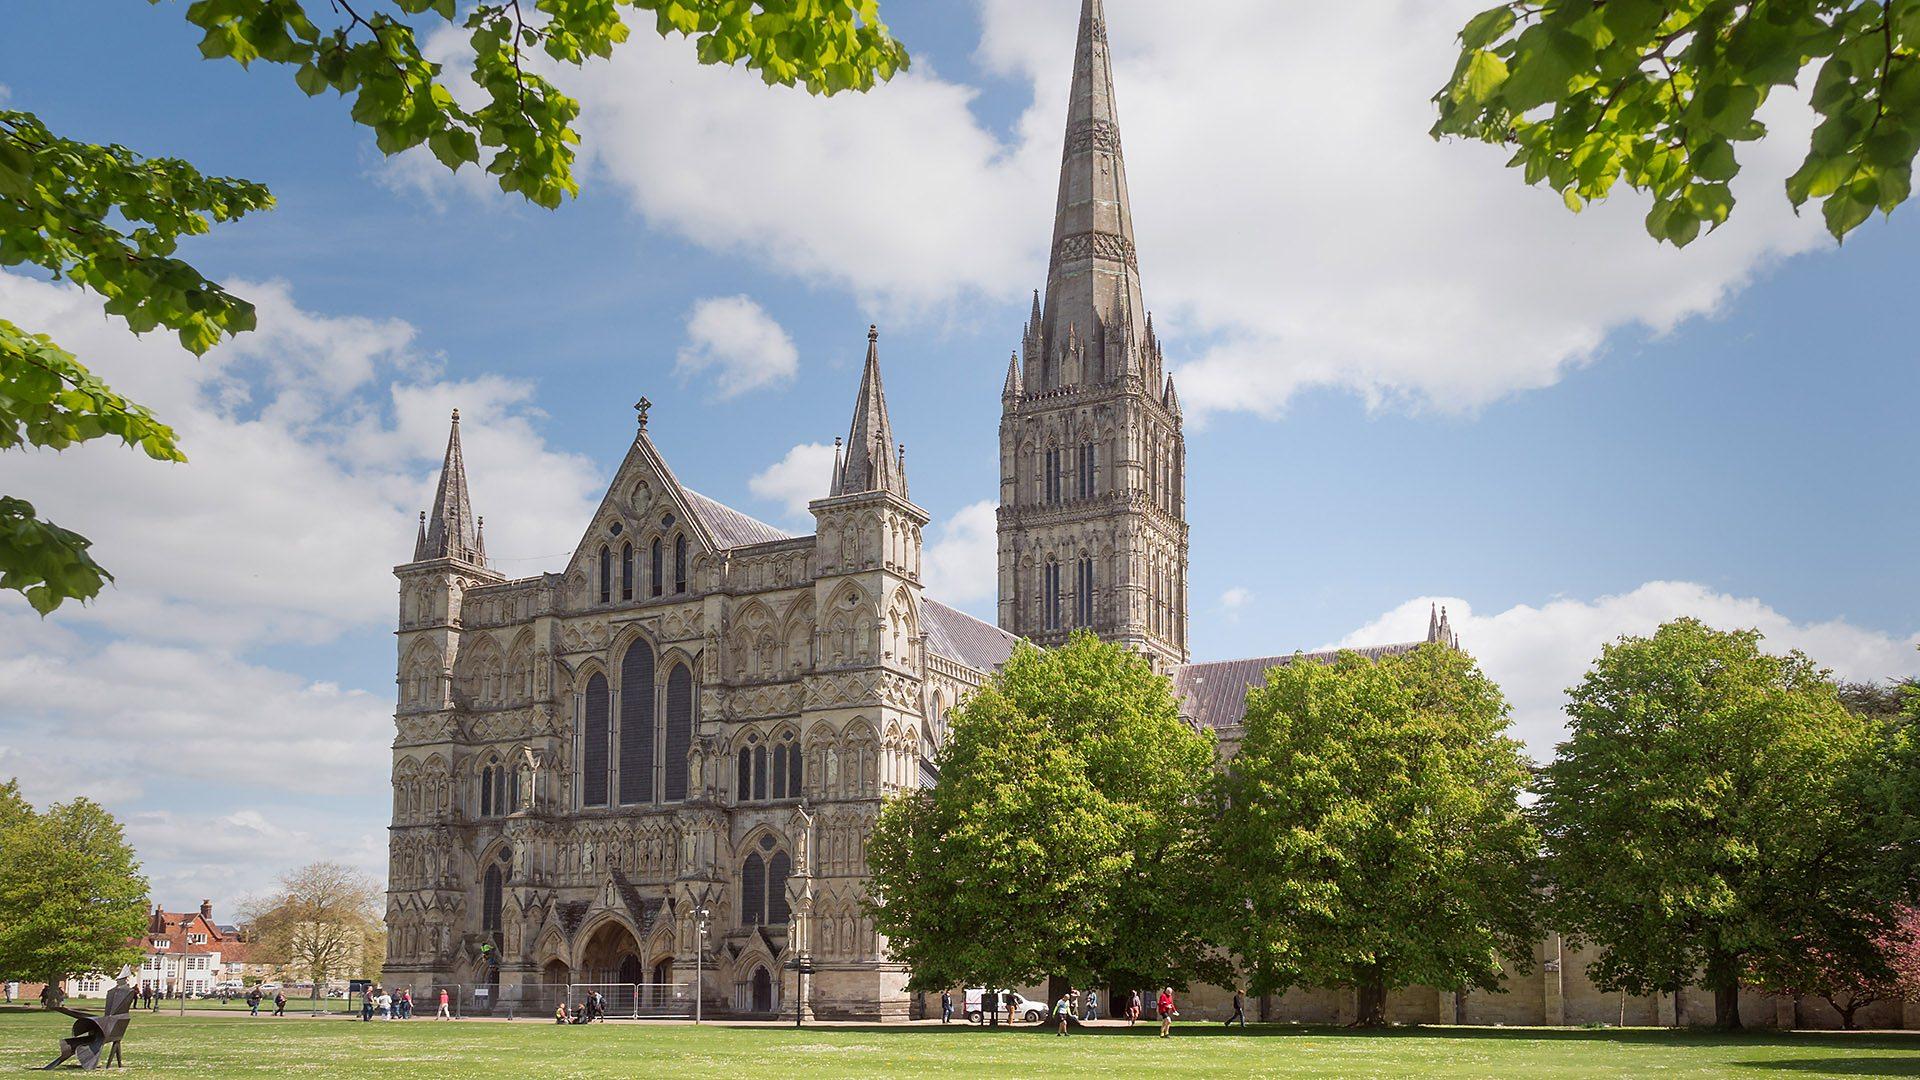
(1693, 1037)
(1838, 1066)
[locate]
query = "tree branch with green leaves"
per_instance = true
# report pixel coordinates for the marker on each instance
(110, 220)
(1661, 95)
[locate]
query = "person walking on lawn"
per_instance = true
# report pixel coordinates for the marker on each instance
(1167, 1013)
(946, 1006)
(1133, 1008)
(444, 1013)
(1239, 1010)
(279, 1003)
(1062, 1011)
(1092, 1003)
(253, 1001)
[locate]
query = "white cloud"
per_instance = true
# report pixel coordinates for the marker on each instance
(1537, 653)
(232, 857)
(962, 565)
(803, 475)
(1235, 598)
(313, 443)
(739, 343)
(1335, 243)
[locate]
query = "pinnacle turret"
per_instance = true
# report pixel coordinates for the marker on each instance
(871, 463)
(448, 532)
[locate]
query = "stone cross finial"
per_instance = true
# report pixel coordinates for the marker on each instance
(641, 407)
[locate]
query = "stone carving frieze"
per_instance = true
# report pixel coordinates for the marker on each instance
(1095, 245)
(783, 699)
(1093, 134)
(585, 635)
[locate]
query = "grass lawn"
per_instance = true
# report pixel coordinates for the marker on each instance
(239, 1046)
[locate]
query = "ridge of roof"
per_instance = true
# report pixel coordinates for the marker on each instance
(730, 527)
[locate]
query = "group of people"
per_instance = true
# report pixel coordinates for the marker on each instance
(254, 997)
(1089, 1008)
(390, 1007)
(593, 1007)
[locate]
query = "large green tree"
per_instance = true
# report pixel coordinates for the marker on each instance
(1660, 95)
(71, 893)
(111, 220)
(1065, 837)
(1713, 809)
(1371, 833)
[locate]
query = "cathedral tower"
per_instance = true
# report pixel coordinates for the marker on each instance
(1092, 524)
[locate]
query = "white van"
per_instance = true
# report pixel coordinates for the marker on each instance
(1012, 1007)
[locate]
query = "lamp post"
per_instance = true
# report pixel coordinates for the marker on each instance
(700, 922)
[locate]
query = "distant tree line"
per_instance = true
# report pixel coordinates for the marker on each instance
(1717, 816)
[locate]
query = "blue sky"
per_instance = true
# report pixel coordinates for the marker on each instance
(1410, 378)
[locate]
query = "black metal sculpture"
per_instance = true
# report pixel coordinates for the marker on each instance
(92, 1034)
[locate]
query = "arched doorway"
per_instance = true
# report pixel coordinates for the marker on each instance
(556, 973)
(762, 991)
(611, 964)
(660, 994)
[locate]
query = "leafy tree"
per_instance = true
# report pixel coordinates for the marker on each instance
(72, 898)
(1712, 810)
(1658, 94)
(1371, 833)
(110, 220)
(319, 925)
(1884, 701)
(1065, 835)
(1856, 974)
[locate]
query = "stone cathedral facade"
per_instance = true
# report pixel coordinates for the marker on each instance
(700, 713)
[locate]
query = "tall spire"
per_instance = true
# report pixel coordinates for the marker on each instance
(871, 464)
(450, 530)
(1093, 276)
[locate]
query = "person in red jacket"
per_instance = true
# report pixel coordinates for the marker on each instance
(1165, 1006)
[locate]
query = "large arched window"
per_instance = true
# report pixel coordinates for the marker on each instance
(490, 892)
(626, 571)
(1050, 594)
(606, 574)
(743, 782)
(1083, 591)
(593, 743)
(786, 767)
(487, 804)
(753, 891)
(657, 570)
(778, 867)
(763, 885)
(679, 735)
(636, 724)
(680, 564)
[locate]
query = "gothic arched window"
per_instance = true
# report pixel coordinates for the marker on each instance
(593, 743)
(626, 571)
(606, 574)
(778, 868)
(486, 789)
(786, 767)
(753, 891)
(657, 568)
(759, 773)
(1083, 592)
(1050, 594)
(490, 890)
(680, 564)
(679, 734)
(1087, 455)
(636, 724)
(743, 785)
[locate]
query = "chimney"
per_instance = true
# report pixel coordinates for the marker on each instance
(206, 910)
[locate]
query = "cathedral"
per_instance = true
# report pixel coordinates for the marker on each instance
(658, 766)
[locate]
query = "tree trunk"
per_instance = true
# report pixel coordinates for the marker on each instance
(1371, 992)
(1723, 976)
(1846, 1012)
